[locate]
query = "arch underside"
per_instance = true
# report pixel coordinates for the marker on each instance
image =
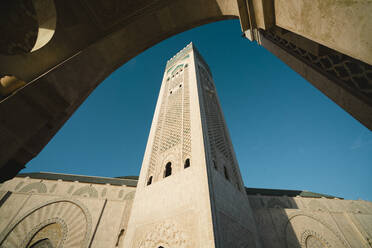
(98, 36)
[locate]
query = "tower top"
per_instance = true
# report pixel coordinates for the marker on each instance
(179, 55)
(183, 54)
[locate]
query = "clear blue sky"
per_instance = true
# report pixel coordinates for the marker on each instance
(286, 133)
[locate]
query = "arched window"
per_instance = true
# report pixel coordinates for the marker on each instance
(149, 181)
(187, 163)
(226, 174)
(168, 169)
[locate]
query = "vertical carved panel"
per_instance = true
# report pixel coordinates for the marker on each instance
(219, 143)
(172, 130)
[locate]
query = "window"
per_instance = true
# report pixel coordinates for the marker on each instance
(168, 169)
(226, 174)
(180, 85)
(187, 163)
(149, 181)
(214, 164)
(170, 92)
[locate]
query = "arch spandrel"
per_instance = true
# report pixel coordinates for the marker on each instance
(80, 42)
(98, 42)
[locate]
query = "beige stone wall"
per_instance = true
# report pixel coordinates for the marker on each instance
(84, 213)
(295, 221)
(344, 26)
(173, 211)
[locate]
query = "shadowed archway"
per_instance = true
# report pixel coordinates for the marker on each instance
(98, 36)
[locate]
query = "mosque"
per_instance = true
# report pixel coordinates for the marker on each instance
(189, 192)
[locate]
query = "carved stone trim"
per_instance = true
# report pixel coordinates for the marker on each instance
(351, 74)
(39, 186)
(84, 209)
(306, 234)
(330, 228)
(43, 224)
(165, 234)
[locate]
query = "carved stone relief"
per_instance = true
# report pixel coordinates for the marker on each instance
(72, 217)
(165, 234)
(37, 187)
(302, 225)
(351, 72)
(86, 191)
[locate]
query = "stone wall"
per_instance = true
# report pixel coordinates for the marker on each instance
(306, 222)
(77, 214)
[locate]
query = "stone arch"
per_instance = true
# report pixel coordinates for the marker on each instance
(159, 21)
(319, 239)
(37, 187)
(300, 225)
(87, 191)
(28, 24)
(73, 217)
(98, 49)
(172, 158)
(54, 229)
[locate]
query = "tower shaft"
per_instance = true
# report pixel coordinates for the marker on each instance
(190, 192)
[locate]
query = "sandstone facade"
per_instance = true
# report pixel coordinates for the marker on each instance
(189, 193)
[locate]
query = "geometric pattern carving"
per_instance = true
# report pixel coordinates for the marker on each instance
(55, 230)
(86, 191)
(37, 187)
(353, 73)
(72, 217)
(172, 130)
(301, 225)
(165, 234)
(311, 239)
(219, 143)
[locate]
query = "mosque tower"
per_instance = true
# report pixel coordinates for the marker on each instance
(190, 191)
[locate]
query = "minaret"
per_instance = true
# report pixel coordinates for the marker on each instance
(190, 192)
